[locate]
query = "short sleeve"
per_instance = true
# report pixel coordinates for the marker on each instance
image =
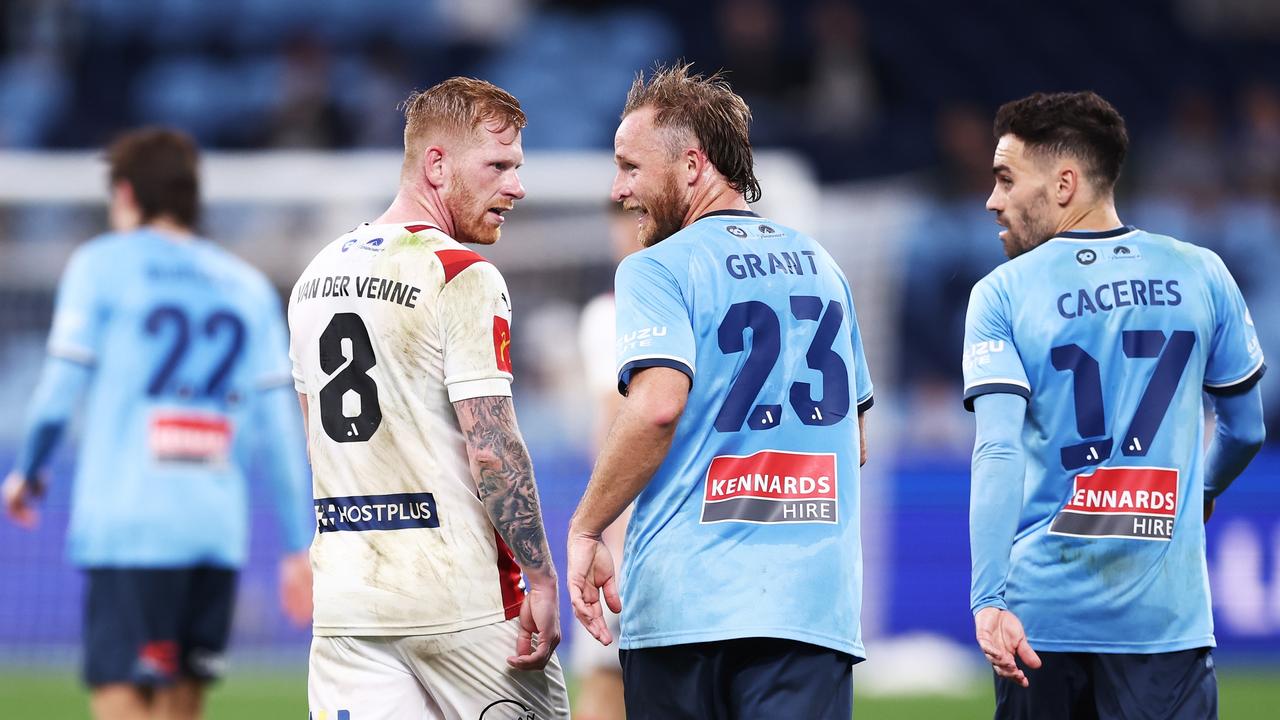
(80, 311)
(991, 362)
(861, 372)
(1235, 361)
(652, 322)
(475, 332)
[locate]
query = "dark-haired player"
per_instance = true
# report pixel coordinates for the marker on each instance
(1085, 359)
(175, 352)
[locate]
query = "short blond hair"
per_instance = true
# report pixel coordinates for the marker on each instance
(454, 108)
(707, 107)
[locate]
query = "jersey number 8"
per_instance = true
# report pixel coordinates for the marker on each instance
(346, 354)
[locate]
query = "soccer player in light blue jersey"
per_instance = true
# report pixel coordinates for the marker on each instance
(1085, 359)
(175, 353)
(739, 437)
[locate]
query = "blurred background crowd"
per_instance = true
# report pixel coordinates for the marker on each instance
(885, 108)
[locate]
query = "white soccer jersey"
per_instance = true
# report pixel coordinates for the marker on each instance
(390, 324)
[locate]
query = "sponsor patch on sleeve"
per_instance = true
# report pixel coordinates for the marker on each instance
(771, 486)
(502, 343)
(1121, 502)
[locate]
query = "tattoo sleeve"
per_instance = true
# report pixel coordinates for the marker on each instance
(504, 478)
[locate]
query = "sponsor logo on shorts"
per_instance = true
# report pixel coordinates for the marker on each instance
(189, 437)
(324, 715)
(771, 486)
(399, 511)
(158, 659)
(1121, 502)
(507, 709)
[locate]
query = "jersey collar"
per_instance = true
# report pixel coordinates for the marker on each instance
(728, 213)
(1095, 235)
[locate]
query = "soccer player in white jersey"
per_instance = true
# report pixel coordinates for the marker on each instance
(425, 499)
(1086, 360)
(173, 350)
(739, 437)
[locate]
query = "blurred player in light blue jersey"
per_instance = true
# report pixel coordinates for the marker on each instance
(739, 437)
(1085, 359)
(176, 354)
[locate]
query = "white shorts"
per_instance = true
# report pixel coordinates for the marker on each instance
(586, 654)
(452, 676)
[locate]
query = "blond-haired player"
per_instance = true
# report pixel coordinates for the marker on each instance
(425, 499)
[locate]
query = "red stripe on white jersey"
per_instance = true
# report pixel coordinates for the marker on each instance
(508, 578)
(455, 261)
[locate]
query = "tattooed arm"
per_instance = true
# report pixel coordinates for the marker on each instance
(504, 478)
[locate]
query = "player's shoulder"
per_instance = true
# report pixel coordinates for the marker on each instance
(454, 258)
(231, 269)
(120, 247)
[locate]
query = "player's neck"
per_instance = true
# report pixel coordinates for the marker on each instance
(719, 197)
(1097, 218)
(170, 229)
(410, 205)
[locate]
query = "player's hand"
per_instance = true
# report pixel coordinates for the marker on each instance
(1209, 504)
(19, 500)
(591, 575)
(540, 616)
(295, 587)
(1003, 641)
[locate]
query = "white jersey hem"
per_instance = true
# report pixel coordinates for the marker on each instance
(404, 631)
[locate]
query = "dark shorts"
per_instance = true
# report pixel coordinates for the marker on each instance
(150, 627)
(747, 679)
(1083, 686)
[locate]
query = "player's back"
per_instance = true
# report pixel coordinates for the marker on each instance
(389, 325)
(181, 336)
(1113, 335)
(764, 461)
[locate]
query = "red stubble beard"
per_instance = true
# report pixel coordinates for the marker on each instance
(470, 215)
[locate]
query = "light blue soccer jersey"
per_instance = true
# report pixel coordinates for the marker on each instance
(749, 528)
(188, 347)
(1111, 337)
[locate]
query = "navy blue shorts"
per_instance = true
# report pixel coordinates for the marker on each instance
(150, 627)
(1085, 686)
(746, 679)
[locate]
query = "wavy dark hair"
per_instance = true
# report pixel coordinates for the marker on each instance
(1079, 124)
(161, 166)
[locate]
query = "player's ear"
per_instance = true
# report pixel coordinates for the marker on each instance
(694, 164)
(433, 165)
(1068, 184)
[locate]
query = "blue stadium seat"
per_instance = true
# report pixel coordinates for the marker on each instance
(571, 72)
(191, 93)
(33, 92)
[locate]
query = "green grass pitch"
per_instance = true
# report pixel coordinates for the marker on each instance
(273, 695)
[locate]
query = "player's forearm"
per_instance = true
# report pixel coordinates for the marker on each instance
(634, 451)
(1238, 436)
(504, 479)
(286, 465)
(637, 444)
(61, 384)
(995, 495)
